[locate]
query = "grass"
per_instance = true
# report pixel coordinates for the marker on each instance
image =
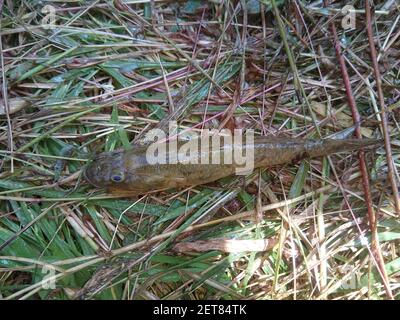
(109, 71)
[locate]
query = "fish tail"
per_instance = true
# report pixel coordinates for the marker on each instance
(318, 148)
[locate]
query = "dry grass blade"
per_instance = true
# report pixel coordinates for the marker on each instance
(225, 245)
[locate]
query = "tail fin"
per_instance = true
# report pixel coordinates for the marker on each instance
(326, 147)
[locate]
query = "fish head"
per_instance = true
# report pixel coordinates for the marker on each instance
(107, 170)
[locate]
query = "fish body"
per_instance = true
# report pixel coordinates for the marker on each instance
(132, 171)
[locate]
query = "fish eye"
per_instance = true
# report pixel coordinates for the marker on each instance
(117, 177)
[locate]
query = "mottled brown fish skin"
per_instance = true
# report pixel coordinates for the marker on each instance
(129, 171)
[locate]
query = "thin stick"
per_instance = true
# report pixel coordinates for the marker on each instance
(386, 136)
(363, 167)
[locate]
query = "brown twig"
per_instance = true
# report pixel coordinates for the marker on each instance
(363, 167)
(386, 136)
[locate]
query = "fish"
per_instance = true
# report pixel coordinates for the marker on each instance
(135, 172)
